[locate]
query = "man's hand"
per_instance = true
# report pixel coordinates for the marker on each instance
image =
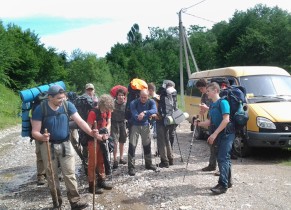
(196, 122)
(45, 137)
(141, 116)
(203, 108)
(211, 138)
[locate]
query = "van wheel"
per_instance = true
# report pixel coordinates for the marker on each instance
(240, 147)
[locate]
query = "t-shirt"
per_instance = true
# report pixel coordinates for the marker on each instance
(118, 114)
(56, 122)
(102, 120)
(216, 114)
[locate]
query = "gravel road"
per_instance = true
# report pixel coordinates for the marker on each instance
(261, 181)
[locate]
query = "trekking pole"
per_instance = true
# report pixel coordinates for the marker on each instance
(94, 168)
(55, 195)
(109, 158)
(179, 146)
(190, 150)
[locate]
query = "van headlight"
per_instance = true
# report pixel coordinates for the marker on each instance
(265, 123)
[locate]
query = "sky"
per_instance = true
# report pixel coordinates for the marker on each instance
(97, 25)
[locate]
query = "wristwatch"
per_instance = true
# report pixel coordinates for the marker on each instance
(145, 112)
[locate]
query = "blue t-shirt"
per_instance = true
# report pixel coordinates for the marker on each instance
(56, 122)
(137, 107)
(216, 115)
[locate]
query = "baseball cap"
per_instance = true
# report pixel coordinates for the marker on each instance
(89, 85)
(55, 89)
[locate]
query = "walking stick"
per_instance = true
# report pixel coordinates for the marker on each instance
(55, 195)
(94, 168)
(190, 151)
(179, 146)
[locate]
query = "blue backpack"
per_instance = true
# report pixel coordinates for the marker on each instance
(236, 97)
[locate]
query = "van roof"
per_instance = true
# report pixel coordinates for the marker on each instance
(238, 71)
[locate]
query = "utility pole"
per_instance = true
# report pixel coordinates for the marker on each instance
(181, 60)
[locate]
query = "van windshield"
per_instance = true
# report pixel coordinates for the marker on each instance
(267, 86)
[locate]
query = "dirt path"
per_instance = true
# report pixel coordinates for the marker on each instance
(260, 181)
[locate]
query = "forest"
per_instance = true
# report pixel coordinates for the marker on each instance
(259, 36)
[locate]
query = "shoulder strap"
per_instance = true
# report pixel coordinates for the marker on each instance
(43, 106)
(65, 103)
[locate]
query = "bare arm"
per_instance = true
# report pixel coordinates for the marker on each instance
(221, 126)
(84, 126)
(36, 127)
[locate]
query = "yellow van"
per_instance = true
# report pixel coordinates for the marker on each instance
(268, 101)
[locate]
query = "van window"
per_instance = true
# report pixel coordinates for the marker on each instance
(267, 85)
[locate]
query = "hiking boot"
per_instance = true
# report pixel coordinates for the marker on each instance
(41, 180)
(98, 190)
(163, 165)
(123, 162)
(151, 167)
(60, 204)
(104, 185)
(115, 164)
(218, 189)
(131, 171)
(171, 162)
(79, 205)
(209, 168)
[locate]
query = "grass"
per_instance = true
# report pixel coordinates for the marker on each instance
(10, 108)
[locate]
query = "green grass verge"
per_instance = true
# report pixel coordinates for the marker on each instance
(10, 108)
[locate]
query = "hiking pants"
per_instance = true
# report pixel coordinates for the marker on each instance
(63, 153)
(39, 162)
(99, 165)
(163, 141)
(144, 132)
(224, 145)
(171, 131)
(213, 155)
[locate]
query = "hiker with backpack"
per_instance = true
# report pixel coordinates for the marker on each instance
(201, 85)
(118, 129)
(167, 104)
(222, 132)
(102, 115)
(141, 110)
(53, 115)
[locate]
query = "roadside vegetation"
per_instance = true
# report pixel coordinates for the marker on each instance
(10, 108)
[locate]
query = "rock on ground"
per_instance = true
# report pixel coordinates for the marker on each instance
(260, 181)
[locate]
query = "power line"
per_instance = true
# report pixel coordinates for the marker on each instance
(200, 17)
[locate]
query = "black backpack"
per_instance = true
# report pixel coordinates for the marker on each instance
(132, 95)
(84, 104)
(236, 97)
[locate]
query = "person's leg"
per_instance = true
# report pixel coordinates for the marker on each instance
(133, 140)
(161, 142)
(39, 164)
(67, 163)
(224, 144)
(54, 161)
(169, 149)
(172, 134)
(122, 140)
(146, 143)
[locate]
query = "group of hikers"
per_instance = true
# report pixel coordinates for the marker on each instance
(57, 123)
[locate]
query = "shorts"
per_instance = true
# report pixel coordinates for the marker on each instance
(118, 131)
